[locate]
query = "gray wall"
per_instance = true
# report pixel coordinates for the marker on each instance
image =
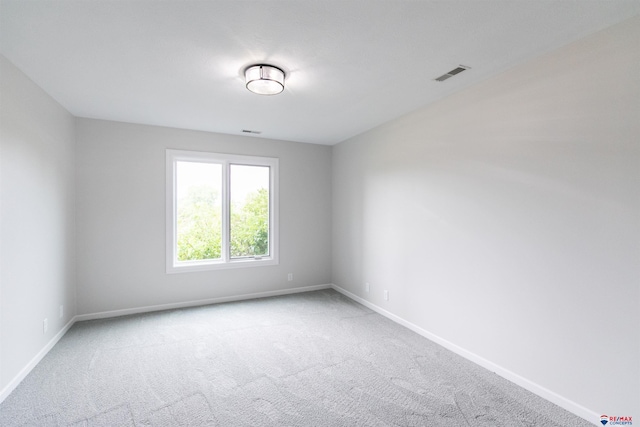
(37, 203)
(121, 217)
(506, 220)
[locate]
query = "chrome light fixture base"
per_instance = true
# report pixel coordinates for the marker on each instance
(264, 79)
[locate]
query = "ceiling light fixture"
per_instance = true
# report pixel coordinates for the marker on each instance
(264, 79)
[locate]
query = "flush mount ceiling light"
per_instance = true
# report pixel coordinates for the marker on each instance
(264, 79)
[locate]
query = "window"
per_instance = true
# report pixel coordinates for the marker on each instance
(221, 211)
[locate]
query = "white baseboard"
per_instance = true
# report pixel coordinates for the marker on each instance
(196, 303)
(33, 362)
(569, 405)
(116, 313)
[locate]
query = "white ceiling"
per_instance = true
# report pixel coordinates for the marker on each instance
(351, 65)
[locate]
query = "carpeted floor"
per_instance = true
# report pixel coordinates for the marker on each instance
(312, 359)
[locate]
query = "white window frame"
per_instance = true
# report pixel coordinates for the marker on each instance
(172, 263)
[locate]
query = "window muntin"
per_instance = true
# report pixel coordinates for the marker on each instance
(221, 211)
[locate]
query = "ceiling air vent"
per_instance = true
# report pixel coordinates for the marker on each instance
(256, 132)
(452, 73)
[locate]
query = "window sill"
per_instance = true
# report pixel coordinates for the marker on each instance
(188, 267)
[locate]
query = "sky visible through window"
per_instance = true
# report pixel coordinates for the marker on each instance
(192, 174)
(245, 179)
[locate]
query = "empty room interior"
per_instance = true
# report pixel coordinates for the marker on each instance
(320, 213)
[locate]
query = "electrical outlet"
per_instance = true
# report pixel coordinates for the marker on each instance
(367, 287)
(386, 295)
(45, 326)
(290, 277)
(61, 311)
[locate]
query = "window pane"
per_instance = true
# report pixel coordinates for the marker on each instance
(249, 210)
(199, 211)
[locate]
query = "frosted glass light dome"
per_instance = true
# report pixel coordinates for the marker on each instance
(264, 79)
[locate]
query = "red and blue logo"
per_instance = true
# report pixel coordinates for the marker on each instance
(616, 421)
